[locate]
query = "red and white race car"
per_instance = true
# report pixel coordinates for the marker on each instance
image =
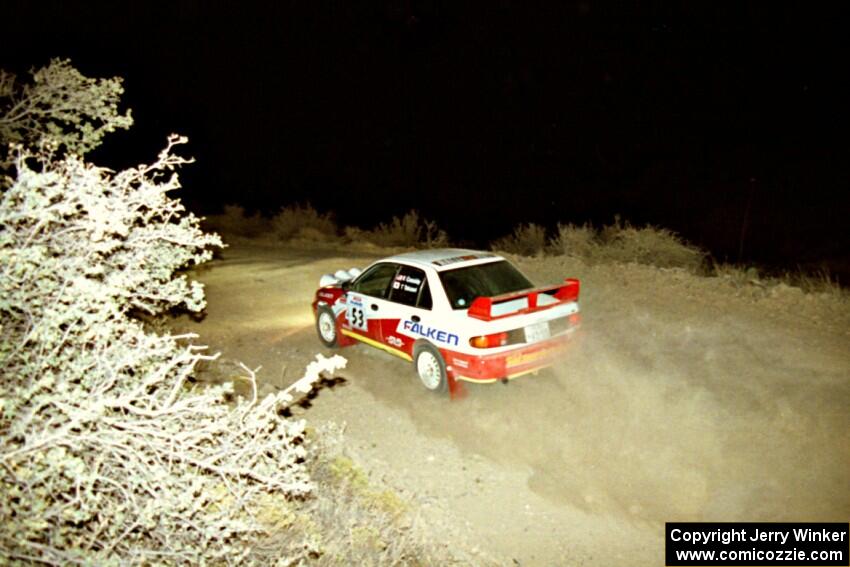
(456, 314)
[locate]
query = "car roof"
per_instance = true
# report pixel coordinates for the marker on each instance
(445, 258)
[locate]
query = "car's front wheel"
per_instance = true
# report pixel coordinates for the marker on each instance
(430, 367)
(326, 326)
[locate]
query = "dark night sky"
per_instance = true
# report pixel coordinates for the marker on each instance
(486, 114)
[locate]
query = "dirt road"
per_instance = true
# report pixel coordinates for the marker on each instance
(685, 399)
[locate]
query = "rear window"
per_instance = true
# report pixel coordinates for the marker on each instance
(464, 285)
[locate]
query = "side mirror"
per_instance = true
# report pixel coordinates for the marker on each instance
(346, 285)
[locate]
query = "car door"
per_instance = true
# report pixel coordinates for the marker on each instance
(411, 316)
(367, 304)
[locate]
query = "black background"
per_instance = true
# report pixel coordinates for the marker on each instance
(697, 116)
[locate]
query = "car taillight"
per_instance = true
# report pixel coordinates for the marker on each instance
(489, 341)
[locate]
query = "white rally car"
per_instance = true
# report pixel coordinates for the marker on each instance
(456, 314)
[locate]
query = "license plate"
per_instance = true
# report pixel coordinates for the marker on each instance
(537, 332)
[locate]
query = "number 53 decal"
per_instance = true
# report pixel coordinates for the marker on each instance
(357, 317)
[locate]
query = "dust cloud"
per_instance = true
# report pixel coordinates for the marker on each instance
(668, 407)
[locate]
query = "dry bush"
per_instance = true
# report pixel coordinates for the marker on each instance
(303, 222)
(576, 241)
(294, 222)
(621, 242)
(737, 276)
(353, 234)
(526, 240)
(60, 107)
(656, 246)
(403, 231)
(109, 454)
(408, 231)
(819, 281)
(235, 222)
(352, 520)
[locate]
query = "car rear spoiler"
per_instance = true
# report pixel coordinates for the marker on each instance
(482, 307)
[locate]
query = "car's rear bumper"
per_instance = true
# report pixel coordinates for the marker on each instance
(509, 364)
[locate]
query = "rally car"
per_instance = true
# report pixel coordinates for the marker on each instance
(456, 314)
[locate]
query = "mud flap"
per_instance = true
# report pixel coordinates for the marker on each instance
(457, 391)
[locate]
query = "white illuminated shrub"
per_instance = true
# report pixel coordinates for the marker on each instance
(110, 453)
(61, 107)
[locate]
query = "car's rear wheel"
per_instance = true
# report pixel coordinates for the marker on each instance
(326, 326)
(431, 367)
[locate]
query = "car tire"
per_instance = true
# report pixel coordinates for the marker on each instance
(326, 326)
(430, 367)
